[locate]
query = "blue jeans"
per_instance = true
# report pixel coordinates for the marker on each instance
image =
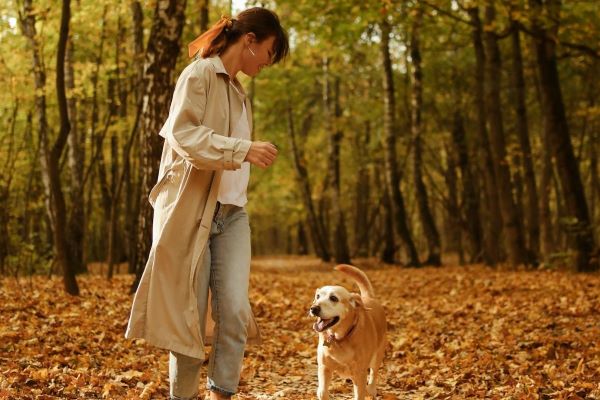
(226, 268)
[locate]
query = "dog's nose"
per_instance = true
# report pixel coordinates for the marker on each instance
(315, 310)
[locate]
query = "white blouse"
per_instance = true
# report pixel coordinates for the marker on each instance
(234, 184)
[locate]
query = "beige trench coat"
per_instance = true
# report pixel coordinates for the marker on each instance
(206, 105)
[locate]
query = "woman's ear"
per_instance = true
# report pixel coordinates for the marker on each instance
(250, 38)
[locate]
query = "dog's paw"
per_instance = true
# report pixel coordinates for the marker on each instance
(322, 394)
(372, 391)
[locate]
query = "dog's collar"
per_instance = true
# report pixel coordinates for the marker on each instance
(330, 339)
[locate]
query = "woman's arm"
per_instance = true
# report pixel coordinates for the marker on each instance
(185, 133)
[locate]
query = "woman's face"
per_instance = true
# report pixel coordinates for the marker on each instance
(257, 55)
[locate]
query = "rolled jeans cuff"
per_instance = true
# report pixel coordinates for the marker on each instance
(212, 387)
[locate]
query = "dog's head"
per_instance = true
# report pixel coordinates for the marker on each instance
(333, 305)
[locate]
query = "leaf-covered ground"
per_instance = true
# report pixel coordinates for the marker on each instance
(454, 333)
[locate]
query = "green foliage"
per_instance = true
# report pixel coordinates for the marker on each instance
(347, 33)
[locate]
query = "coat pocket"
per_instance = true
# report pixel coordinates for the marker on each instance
(156, 189)
(171, 175)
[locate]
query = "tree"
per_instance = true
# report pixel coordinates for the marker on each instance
(531, 208)
(490, 207)
(429, 228)
(470, 197)
(319, 238)
(391, 166)
(512, 229)
(340, 240)
(159, 65)
(410, 134)
(50, 157)
(76, 152)
(133, 185)
(577, 222)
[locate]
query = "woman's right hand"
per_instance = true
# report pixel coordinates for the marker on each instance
(261, 154)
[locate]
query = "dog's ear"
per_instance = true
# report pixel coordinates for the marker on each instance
(356, 301)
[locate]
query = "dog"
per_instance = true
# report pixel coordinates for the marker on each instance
(352, 329)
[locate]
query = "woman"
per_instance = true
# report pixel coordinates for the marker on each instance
(201, 235)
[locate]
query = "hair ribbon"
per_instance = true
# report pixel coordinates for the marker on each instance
(202, 42)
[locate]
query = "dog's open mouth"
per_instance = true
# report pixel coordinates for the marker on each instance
(323, 324)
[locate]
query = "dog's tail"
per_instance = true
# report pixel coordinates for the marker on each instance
(363, 282)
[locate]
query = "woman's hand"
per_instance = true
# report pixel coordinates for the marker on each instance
(261, 154)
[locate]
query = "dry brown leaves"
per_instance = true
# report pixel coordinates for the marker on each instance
(454, 333)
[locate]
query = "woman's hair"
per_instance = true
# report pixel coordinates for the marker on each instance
(262, 22)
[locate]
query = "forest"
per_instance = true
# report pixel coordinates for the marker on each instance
(422, 139)
(407, 130)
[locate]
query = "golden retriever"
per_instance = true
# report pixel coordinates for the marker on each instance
(352, 330)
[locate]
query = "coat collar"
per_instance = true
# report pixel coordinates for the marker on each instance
(217, 63)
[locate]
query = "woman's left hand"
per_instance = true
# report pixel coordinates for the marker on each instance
(261, 154)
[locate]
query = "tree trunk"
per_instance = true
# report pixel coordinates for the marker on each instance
(490, 209)
(323, 208)
(93, 136)
(429, 228)
(31, 217)
(130, 199)
(137, 15)
(133, 190)
(561, 238)
(577, 224)
(203, 5)
(51, 157)
(340, 240)
(470, 190)
(342, 249)
(363, 194)
(76, 149)
(389, 244)
(302, 248)
(60, 217)
(391, 166)
(12, 152)
(120, 65)
(161, 56)
(453, 217)
(547, 237)
(27, 21)
(98, 62)
(113, 248)
(105, 189)
(512, 233)
(317, 232)
(594, 180)
(532, 213)
(82, 120)
(546, 230)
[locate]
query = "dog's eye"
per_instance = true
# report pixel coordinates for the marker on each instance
(333, 298)
(317, 297)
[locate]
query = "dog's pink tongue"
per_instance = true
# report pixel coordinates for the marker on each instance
(319, 326)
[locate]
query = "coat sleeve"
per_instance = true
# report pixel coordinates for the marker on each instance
(195, 142)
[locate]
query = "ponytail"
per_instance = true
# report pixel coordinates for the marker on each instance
(212, 40)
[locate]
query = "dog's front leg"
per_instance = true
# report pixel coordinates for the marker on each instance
(375, 365)
(324, 380)
(372, 383)
(360, 385)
